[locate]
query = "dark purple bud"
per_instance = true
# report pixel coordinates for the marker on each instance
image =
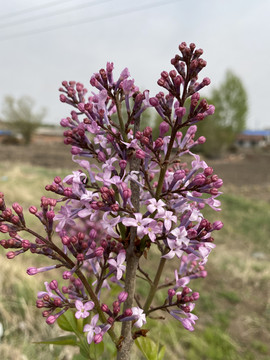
(101, 156)
(208, 171)
(99, 251)
(80, 257)
(53, 285)
(122, 164)
(128, 312)
(154, 101)
(171, 293)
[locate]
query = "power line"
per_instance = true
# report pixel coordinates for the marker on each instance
(53, 13)
(89, 19)
(34, 8)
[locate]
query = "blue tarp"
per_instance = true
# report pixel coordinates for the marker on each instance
(256, 132)
(5, 132)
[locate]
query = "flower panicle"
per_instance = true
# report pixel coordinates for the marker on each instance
(132, 191)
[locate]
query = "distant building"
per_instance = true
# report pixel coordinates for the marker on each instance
(253, 138)
(5, 134)
(48, 134)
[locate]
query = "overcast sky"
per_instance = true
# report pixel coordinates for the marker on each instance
(45, 41)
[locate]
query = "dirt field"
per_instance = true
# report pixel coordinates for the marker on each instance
(248, 174)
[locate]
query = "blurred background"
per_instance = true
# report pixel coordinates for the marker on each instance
(46, 42)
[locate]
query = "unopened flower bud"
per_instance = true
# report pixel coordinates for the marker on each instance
(50, 215)
(203, 273)
(171, 293)
(163, 128)
(26, 244)
(127, 194)
(51, 319)
(80, 257)
(17, 208)
(217, 225)
(115, 207)
(201, 140)
(66, 275)
(98, 338)
(158, 143)
(99, 251)
(101, 156)
(128, 312)
(179, 175)
(122, 296)
(3, 228)
(154, 101)
(140, 154)
(33, 210)
(10, 255)
(63, 98)
(122, 164)
(147, 131)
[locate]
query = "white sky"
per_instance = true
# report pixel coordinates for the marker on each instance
(233, 33)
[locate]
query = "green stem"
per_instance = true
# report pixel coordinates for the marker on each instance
(154, 286)
(162, 262)
(165, 163)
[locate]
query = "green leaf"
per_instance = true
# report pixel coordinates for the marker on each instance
(84, 347)
(78, 357)
(68, 322)
(96, 350)
(161, 353)
(85, 352)
(149, 348)
(61, 340)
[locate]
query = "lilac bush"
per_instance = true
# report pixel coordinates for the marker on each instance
(133, 199)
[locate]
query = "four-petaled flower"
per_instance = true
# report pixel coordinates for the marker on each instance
(64, 217)
(168, 218)
(152, 230)
(121, 257)
(139, 315)
(154, 205)
(92, 329)
(82, 308)
(138, 222)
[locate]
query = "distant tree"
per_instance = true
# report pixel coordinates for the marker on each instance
(231, 107)
(20, 116)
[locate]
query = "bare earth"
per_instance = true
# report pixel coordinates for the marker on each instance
(247, 173)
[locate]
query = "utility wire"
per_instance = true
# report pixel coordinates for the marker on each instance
(34, 8)
(90, 19)
(53, 13)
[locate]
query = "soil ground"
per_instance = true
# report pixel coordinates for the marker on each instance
(245, 173)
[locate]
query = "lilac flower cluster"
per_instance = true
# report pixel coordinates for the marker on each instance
(132, 192)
